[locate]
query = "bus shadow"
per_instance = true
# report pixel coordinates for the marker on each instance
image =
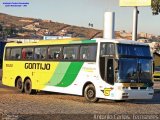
(63, 96)
(49, 93)
(154, 100)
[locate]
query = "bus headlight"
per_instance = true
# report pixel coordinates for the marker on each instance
(119, 87)
(125, 94)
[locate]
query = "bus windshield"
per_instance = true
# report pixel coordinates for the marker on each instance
(135, 70)
(133, 50)
(135, 63)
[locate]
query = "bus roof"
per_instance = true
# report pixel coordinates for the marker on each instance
(122, 41)
(52, 42)
(75, 41)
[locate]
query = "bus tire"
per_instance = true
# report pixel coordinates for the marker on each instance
(90, 93)
(28, 87)
(19, 85)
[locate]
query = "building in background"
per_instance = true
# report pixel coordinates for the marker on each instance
(156, 57)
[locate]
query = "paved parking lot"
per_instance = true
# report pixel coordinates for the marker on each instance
(59, 106)
(14, 105)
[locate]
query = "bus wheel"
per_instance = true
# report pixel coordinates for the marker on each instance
(19, 85)
(90, 93)
(28, 87)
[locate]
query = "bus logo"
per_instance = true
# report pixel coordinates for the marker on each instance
(39, 66)
(107, 91)
(9, 65)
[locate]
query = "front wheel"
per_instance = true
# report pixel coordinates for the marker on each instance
(28, 87)
(90, 93)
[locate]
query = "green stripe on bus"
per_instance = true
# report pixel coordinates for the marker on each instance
(88, 41)
(84, 41)
(59, 73)
(70, 74)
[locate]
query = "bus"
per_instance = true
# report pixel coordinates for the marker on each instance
(97, 68)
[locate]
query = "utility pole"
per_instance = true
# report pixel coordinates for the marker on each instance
(135, 23)
(134, 4)
(109, 25)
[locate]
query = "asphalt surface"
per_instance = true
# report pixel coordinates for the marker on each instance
(53, 106)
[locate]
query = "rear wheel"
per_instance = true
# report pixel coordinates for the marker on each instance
(19, 85)
(28, 87)
(90, 93)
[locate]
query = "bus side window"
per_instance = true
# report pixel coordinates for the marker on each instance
(88, 52)
(28, 54)
(23, 53)
(54, 53)
(7, 53)
(16, 53)
(40, 53)
(71, 52)
(107, 49)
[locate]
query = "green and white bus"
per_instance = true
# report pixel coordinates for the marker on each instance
(98, 68)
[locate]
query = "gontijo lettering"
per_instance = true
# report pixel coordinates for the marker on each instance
(40, 66)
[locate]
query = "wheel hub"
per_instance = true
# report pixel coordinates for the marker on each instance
(90, 93)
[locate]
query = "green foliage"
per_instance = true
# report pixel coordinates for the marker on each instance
(155, 7)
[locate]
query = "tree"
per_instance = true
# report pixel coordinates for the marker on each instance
(155, 7)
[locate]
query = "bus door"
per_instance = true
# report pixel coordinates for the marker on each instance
(107, 55)
(109, 70)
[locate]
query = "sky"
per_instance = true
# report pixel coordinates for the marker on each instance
(83, 12)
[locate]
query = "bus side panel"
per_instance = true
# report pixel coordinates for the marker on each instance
(41, 76)
(11, 69)
(60, 74)
(74, 79)
(65, 74)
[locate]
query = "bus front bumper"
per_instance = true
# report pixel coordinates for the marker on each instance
(133, 94)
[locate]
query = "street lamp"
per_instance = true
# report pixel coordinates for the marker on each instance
(90, 24)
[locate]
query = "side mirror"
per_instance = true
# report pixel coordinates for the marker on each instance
(116, 64)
